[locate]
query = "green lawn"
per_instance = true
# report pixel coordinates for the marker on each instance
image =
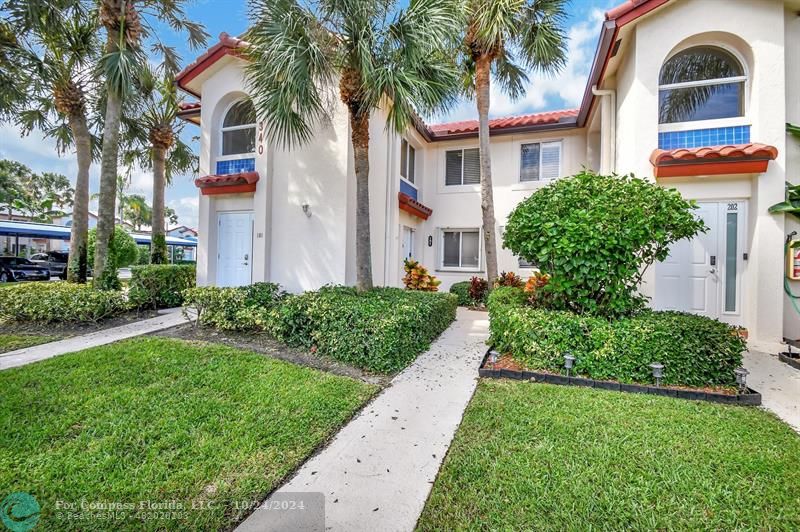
(10, 342)
(165, 421)
(542, 457)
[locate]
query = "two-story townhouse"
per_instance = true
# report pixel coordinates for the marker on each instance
(694, 94)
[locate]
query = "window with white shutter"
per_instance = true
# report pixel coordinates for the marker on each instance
(462, 167)
(540, 161)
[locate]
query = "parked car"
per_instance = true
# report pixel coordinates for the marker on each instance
(19, 269)
(55, 261)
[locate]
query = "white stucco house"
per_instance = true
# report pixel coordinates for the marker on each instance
(288, 216)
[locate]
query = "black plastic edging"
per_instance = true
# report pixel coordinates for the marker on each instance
(751, 398)
(794, 362)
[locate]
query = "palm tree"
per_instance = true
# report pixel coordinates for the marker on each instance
(127, 24)
(157, 146)
(502, 39)
(55, 49)
(376, 53)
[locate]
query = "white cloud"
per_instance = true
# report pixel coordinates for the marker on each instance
(545, 92)
(187, 209)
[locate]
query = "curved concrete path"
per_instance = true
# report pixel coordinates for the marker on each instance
(166, 319)
(377, 472)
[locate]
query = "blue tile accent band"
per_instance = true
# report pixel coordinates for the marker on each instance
(235, 166)
(700, 138)
(406, 188)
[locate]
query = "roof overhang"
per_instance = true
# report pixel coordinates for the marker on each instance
(189, 112)
(413, 207)
(715, 160)
(616, 19)
(227, 46)
(241, 183)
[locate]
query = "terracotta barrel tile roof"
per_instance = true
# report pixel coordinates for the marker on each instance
(227, 184)
(188, 106)
(752, 151)
(713, 160)
(496, 124)
(413, 207)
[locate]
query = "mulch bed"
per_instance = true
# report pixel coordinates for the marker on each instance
(507, 366)
(69, 329)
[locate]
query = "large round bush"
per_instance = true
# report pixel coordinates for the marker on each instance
(596, 235)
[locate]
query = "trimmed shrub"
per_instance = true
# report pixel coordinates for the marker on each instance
(471, 293)
(59, 302)
(461, 291)
(596, 235)
(160, 285)
(695, 350)
(235, 308)
(380, 330)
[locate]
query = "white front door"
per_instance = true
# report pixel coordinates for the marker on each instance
(234, 248)
(703, 275)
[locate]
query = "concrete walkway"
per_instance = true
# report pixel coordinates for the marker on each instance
(166, 319)
(778, 383)
(377, 472)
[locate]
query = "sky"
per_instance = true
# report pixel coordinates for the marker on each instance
(544, 93)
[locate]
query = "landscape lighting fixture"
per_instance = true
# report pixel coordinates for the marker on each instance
(569, 361)
(741, 378)
(658, 372)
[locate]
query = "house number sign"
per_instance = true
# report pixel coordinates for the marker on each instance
(261, 138)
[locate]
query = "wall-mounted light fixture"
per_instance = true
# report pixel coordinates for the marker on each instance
(307, 210)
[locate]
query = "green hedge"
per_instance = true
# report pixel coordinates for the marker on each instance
(235, 309)
(160, 285)
(461, 291)
(380, 330)
(59, 302)
(695, 350)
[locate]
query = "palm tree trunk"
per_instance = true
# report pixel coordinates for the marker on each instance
(159, 243)
(76, 269)
(359, 125)
(108, 189)
(482, 72)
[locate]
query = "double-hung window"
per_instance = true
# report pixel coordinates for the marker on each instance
(462, 167)
(461, 249)
(540, 161)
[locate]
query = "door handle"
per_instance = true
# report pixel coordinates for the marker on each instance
(246, 256)
(712, 270)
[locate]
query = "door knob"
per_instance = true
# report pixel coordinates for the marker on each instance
(246, 256)
(712, 270)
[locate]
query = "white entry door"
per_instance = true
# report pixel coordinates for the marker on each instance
(234, 248)
(703, 275)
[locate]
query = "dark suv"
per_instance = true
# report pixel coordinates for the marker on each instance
(18, 269)
(55, 261)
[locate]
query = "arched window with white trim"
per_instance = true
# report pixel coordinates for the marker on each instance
(239, 130)
(701, 83)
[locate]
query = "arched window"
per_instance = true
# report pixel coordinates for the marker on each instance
(701, 83)
(239, 129)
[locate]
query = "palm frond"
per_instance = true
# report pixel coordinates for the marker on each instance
(291, 66)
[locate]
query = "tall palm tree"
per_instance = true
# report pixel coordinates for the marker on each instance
(157, 146)
(502, 39)
(54, 83)
(128, 25)
(299, 52)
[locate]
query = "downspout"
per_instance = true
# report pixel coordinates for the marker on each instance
(388, 218)
(608, 157)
